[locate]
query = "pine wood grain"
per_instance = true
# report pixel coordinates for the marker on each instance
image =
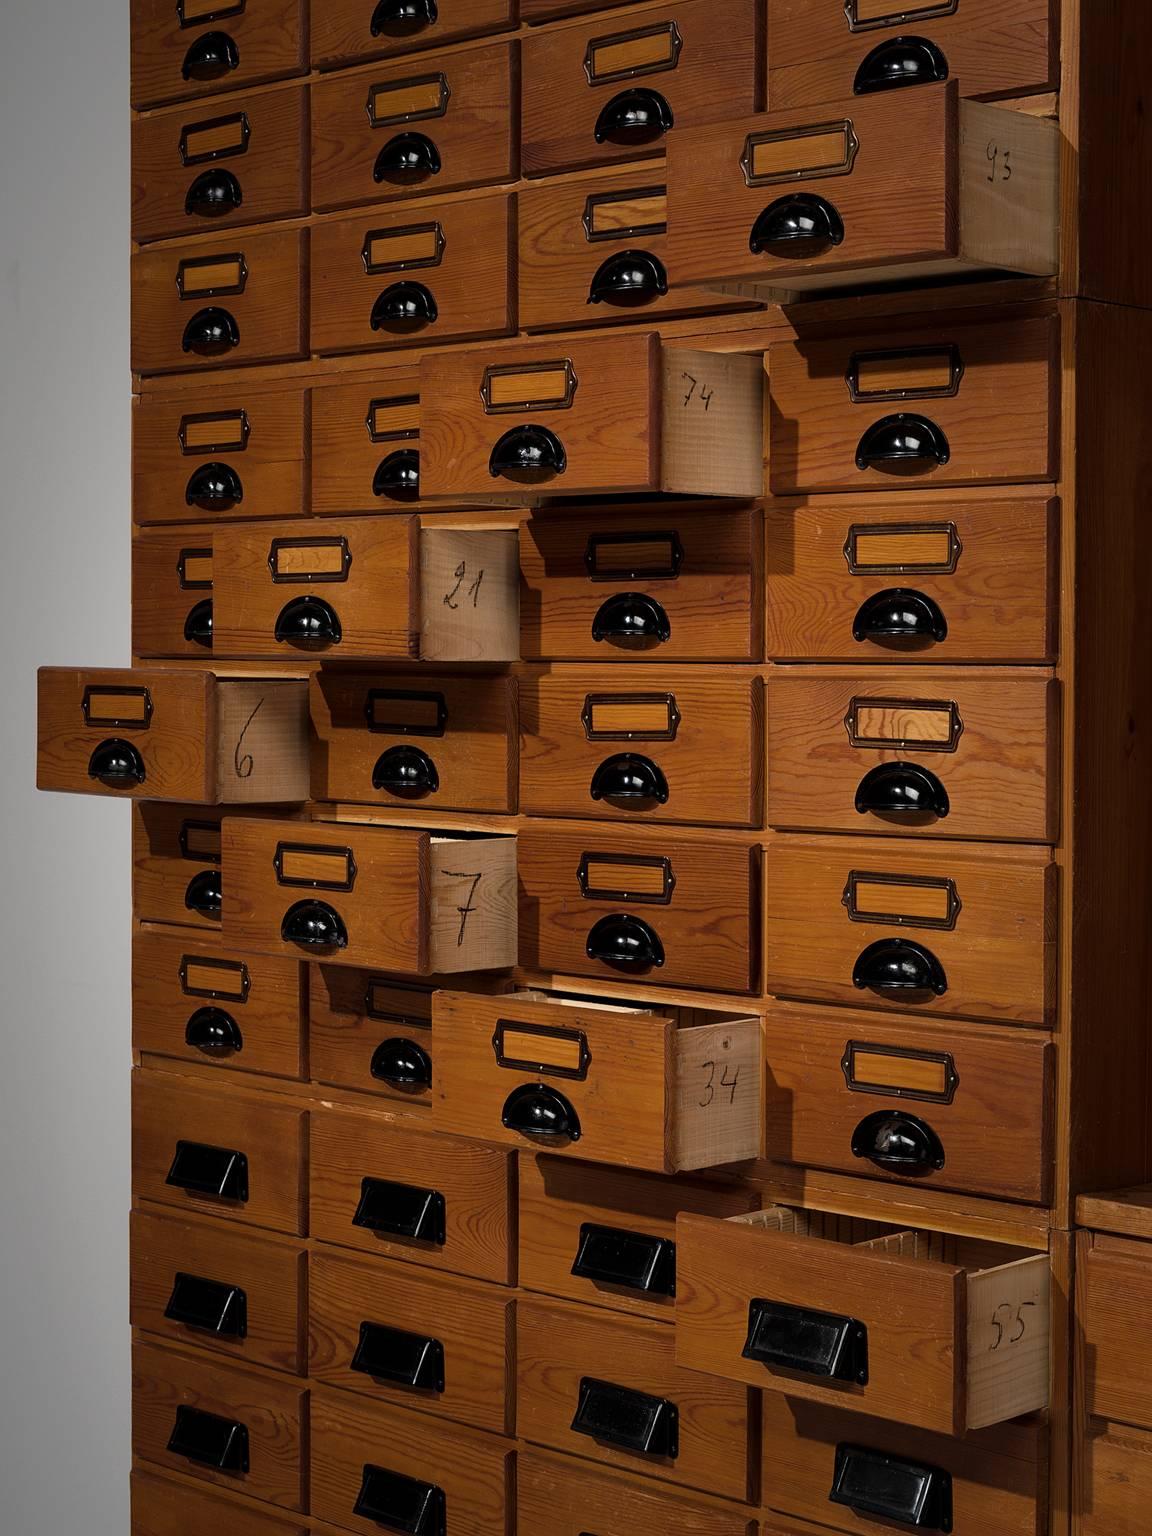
(269, 37)
(164, 1507)
(340, 33)
(557, 1494)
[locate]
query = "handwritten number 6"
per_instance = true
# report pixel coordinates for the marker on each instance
(243, 765)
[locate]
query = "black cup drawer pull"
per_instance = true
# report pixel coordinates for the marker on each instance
(900, 62)
(404, 307)
(898, 1143)
(638, 1261)
(398, 476)
(393, 1354)
(212, 194)
(903, 444)
(630, 777)
(402, 1064)
(314, 925)
(209, 1440)
(541, 1114)
(399, 1503)
(211, 56)
(899, 965)
(213, 486)
(117, 764)
(403, 1210)
(407, 158)
(626, 942)
(911, 1493)
(402, 18)
(901, 789)
(627, 279)
(529, 453)
(898, 614)
(797, 227)
(206, 1170)
(627, 1418)
(211, 332)
(406, 771)
(636, 116)
(198, 624)
(213, 1306)
(820, 1344)
(204, 894)
(214, 1032)
(631, 618)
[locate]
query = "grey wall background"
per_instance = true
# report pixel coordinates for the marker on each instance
(65, 866)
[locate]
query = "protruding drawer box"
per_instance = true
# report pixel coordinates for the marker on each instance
(172, 593)
(567, 1498)
(198, 47)
(205, 167)
(345, 31)
(947, 1333)
(161, 1507)
(435, 741)
(399, 1193)
(1117, 1480)
(630, 1086)
(1115, 1286)
(373, 1033)
(173, 734)
(609, 88)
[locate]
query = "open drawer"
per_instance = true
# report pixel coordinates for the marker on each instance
(947, 1333)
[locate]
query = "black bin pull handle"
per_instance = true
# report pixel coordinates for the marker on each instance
(626, 942)
(402, 1064)
(211, 332)
(214, 1032)
(407, 158)
(898, 1143)
(212, 1306)
(631, 619)
(905, 443)
(202, 1169)
(117, 764)
(308, 623)
(910, 1493)
(213, 194)
(824, 1345)
(403, 308)
(622, 1416)
(904, 790)
(628, 279)
(541, 1114)
(899, 616)
(637, 1261)
(633, 117)
(402, 18)
(402, 1210)
(398, 475)
(406, 771)
(209, 1440)
(899, 62)
(797, 227)
(212, 486)
(412, 1360)
(630, 778)
(899, 965)
(530, 453)
(314, 925)
(198, 624)
(400, 1503)
(204, 894)
(211, 56)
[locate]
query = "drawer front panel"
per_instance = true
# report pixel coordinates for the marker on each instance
(198, 48)
(366, 444)
(1117, 1481)
(1116, 1284)
(163, 1508)
(373, 1033)
(176, 865)
(345, 31)
(172, 593)
(567, 1499)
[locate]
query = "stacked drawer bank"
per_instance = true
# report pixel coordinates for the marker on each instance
(638, 734)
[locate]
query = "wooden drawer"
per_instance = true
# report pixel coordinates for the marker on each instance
(175, 734)
(929, 928)
(950, 1105)
(395, 280)
(398, 1469)
(199, 1002)
(366, 588)
(962, 753)
(172, 592)
(565, 1498)
(399, 1193)
(598, 415)
(228, 454)
(365, 444)
(683, 746)
(953, 405)
(789, 203)
(417, 125)
(197, 1282)
(196, 48)
(239, 299)
(1116, 1481)
(211, 165)
(373, 1033)
(635, 586)
(1115, 1286)
(949, 1333)
(621, 1085)
(659, 908)
(235, 1156)
(609, 87)
(164, 1508)
(609, 1390)
(347, 30)
(176, 864)
(970, 580)
(383, 897)
(535, 11)
(436, 740)
(412, 1340)
(209, 1420)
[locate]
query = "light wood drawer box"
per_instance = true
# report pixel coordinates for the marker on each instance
(953, 404)
(200, 1283)
(161, 1507)
(195, 48)
(628, 1086)
(176, 864)
(433, 740)
(609, 1390)
(441, 1345)
(239, 299)
(603, 415)
(923, 928)
(639, 586)
(206, 167)
(439, 272)
(200, 1002)
(374, 1466)
(948, 1333)
(1116, 1480)
(943, 581)
(639, 903)
(173, 734)
(565, 1498)
(793, 202)
(393, 898)
(218, 456)
(373, 1033)
(212, 1421)
(610, 87)
(423, 124)
(366, 588)
(961, 753)
(400, 1193)
(345, 31)
(1115, 1286)
(947, 1105)
(237, 1156)
(683, 746)
(172, 592)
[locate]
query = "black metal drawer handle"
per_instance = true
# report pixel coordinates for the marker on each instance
(213, 486)
(402, 1064)
(406, 771)
(393, 1354)
(626, 942)
(529, 453)
(211, 332)
(404, 307)
(214, 1032)
(631, 778)
(633, 619)
(117, 764)
(202, 1169)
(402, 1210)
(899, 62)
(209, 1440)
(820, 1344)
(213, 1306)
(213, 194)
(398, 476)
(314, 925)
(211, 56)
(636, 116)
(540, 1113)
(198, 624)
(407, 158)
(638, 1261)
(402, 18)
(797, 227)
(901, 789)
(204, 894)
(309, 623)
(898, 1142)
(628, 279)
(399, 1503)
(899, 614)
(899, 965)
(902, 444)
(622, 1416)
(912, 1494)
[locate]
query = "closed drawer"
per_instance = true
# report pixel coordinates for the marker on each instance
(969, 580)
(683, 746)
(196, 48)
(348, 30)
(598, 415)
(397, 899)
(366, 444)
(1115, 1287)
(163, 1508)
(195, 1282)
(953, 405)
(412, 1340)
(417, 125)
(566, 1498)
(622, 1085)
(1117, 1481)
(176, 734)
(172, 592)
(610, 87)
(609, 1390)
(927, 928)
(212, 1421)
(639, 586)
(236, 300)
(792, 202)
(639, 903)
(236, 1156)
(399, 1193)
(948, 1333)
(960, 754)
(374, 1466)
(373, 1033)
(947, 1105)
(398, 279)
(211, 165)
(199, 1002)
(435, 740)
(535, 11)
